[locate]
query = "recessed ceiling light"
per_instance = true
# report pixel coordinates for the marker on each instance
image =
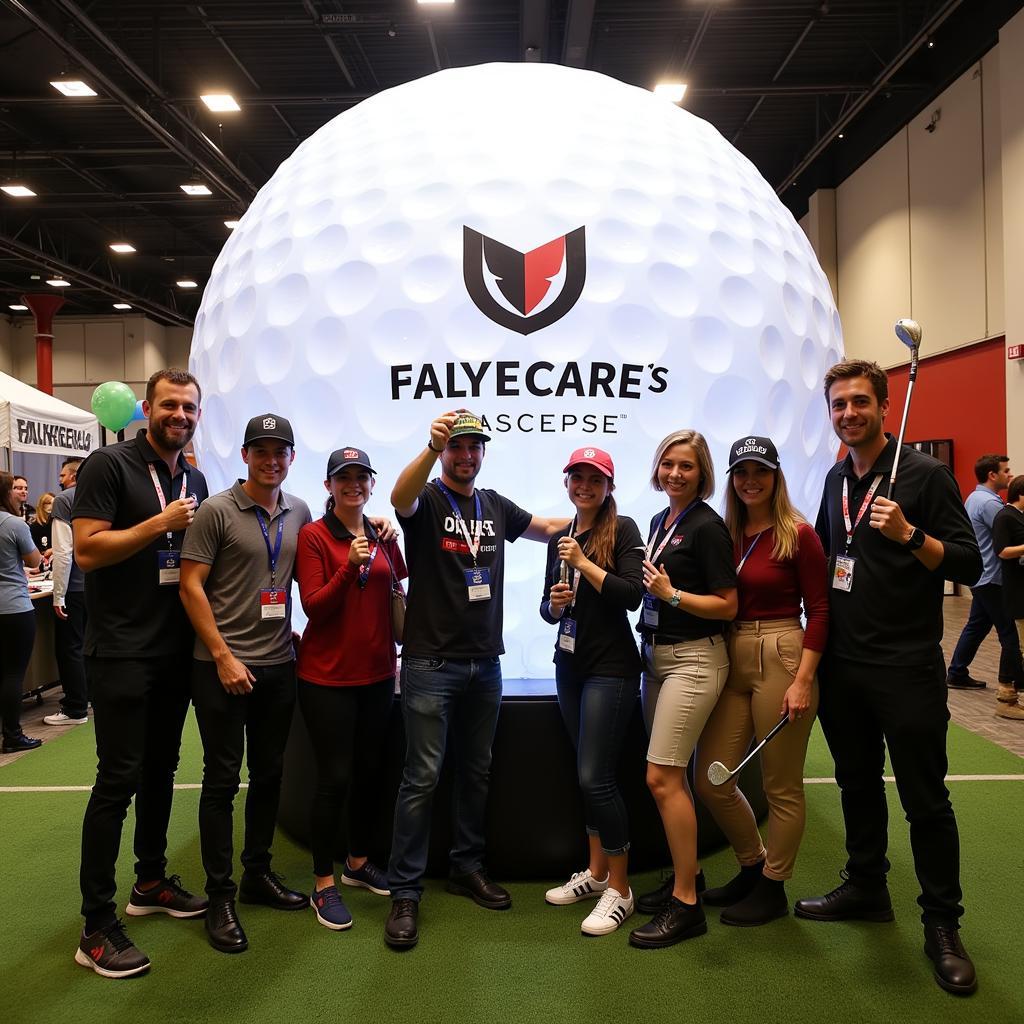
(18, 307)
(122, 247)
(437, 3)
(122, 305)
(221, 102)
(58, 282)
(671, 91)
(186, 282)
(195, 188)
(73, 87)
(18, 191)
(231, 224)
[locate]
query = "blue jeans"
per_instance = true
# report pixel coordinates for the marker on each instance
(987, 610)
(442, 697)
(597, 711)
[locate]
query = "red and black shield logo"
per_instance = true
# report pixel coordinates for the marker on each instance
(524, 278)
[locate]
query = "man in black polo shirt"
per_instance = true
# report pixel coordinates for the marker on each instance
(883, 680)
(133, 503)
(455, 537)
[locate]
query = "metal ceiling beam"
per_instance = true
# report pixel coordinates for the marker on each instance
(331, 45)
(533, 30)
(698, 36)
(880, 82)
(106, 287)
(579, 23)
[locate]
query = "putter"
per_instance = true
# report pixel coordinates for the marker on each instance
(909, 332)
(719, 775)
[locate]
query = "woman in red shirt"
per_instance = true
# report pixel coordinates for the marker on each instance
(346, 671)
(780, 565)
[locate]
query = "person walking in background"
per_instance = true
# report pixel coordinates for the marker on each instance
(1008, 544)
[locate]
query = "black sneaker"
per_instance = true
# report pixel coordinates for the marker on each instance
(166, 898)
(965, 682)
(16, 744)
(110, 953)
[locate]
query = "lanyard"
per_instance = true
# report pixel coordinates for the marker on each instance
(851, 527)
(272, 555)
(753, 544)
(472, 543)
(668, 536)
(162, 498)
(563, 573)
(364, 569)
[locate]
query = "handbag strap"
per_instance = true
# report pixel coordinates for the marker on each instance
(395, 582)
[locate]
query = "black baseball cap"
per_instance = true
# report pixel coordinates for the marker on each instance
(348, 457)
(757, 449)
(269, 425)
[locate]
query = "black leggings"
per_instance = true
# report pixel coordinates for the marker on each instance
(347, 727)
(17, 635)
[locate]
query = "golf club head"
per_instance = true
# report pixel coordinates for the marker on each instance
(718, 773)
(909, 332)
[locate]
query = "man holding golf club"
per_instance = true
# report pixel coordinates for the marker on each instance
(891, 543)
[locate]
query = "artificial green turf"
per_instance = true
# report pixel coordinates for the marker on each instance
(530, 964)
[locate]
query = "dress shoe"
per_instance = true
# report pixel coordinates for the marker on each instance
(765, 902)
(739, 887)
(954, 970)
(223, 928)
(676, 922)
(965, 682)
(18, 742)
(847, 902)
(652, 902)
(268, 889)
(481, 890)
(400, 929)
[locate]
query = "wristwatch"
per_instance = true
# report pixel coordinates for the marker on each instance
(675, 599)
(916, 539)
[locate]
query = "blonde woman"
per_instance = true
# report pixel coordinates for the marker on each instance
(41, 527)
(690, 579)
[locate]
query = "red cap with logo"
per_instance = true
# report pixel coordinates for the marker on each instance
(592, 457)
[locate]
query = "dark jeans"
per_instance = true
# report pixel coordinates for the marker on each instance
(255, 725)
(863, 709)
(441, 699)
(139, 707)
(17, 635)
(67, 646)
(987, 611)
(348, 728)
(597, 712)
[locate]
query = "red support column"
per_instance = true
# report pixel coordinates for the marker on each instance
(44, 306)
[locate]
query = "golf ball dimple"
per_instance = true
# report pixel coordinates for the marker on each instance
(343, 300)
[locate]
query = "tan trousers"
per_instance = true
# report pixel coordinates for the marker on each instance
(763, 659)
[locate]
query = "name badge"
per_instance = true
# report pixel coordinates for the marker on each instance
(168, 564)
(567, 636)
(478, 583)
(273, 604)
(650, 613)
(842, 576)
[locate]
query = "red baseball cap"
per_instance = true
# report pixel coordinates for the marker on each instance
(592, 457)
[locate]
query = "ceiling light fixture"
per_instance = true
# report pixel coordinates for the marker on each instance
(196, 188)
(73, 87)
(220, 102)
(122, 305)
(18, 307)
(17, 191)
(122, 247)
(671, 91)
(58, 282)
(437, 3)
(231, 224)
(186, 282)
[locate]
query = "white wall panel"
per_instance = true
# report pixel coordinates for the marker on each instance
(992, 153)
(104, 351)
(68, 352)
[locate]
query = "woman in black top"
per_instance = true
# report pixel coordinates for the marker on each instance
(41, 527)
(594, 577)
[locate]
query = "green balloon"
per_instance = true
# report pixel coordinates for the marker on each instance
(113, 404)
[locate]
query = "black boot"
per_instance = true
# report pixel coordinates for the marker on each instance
(738, 888)
(765, 903)
(954, 970)
(652, 902)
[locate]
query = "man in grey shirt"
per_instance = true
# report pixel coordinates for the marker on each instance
(236, 575)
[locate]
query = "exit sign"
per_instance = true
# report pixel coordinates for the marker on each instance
(1015, 352)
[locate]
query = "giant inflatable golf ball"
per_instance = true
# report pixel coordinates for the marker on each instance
(574, 259)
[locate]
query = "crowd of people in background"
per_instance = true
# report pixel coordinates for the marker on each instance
(746, 623)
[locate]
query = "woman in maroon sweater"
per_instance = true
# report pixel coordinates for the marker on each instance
(346, 673)
(780, 566)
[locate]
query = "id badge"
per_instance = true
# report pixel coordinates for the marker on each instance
(273, 604)
(650, 613)
(842, 577)
(567, 636)
(478, 583)
(168, 565)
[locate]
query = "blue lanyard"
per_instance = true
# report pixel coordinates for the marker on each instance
(463, 528)
(272, 555)
(743, 560)
(364, 569)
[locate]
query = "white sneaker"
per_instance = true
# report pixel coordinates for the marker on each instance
(61, 719)
(582, 886)
(611, 910)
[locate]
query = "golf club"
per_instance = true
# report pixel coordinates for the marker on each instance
(909, 332)
(718, 774)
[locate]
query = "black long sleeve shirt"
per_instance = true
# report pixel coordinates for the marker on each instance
(893, 614)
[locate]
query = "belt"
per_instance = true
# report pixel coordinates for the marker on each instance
(664, 640)
(759, 626)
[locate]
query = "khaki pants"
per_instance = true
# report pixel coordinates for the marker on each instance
(763, 657)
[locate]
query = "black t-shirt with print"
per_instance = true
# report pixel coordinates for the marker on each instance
(699, 560)
(440, 620)
(1008, 532)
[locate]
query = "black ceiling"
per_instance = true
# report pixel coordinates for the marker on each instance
(779, 78)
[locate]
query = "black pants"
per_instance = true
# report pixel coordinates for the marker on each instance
(17, 635)
(987, 610)
(67, 646)
(863, 709)
(348, 727)
(139, 707)
(255, 725)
